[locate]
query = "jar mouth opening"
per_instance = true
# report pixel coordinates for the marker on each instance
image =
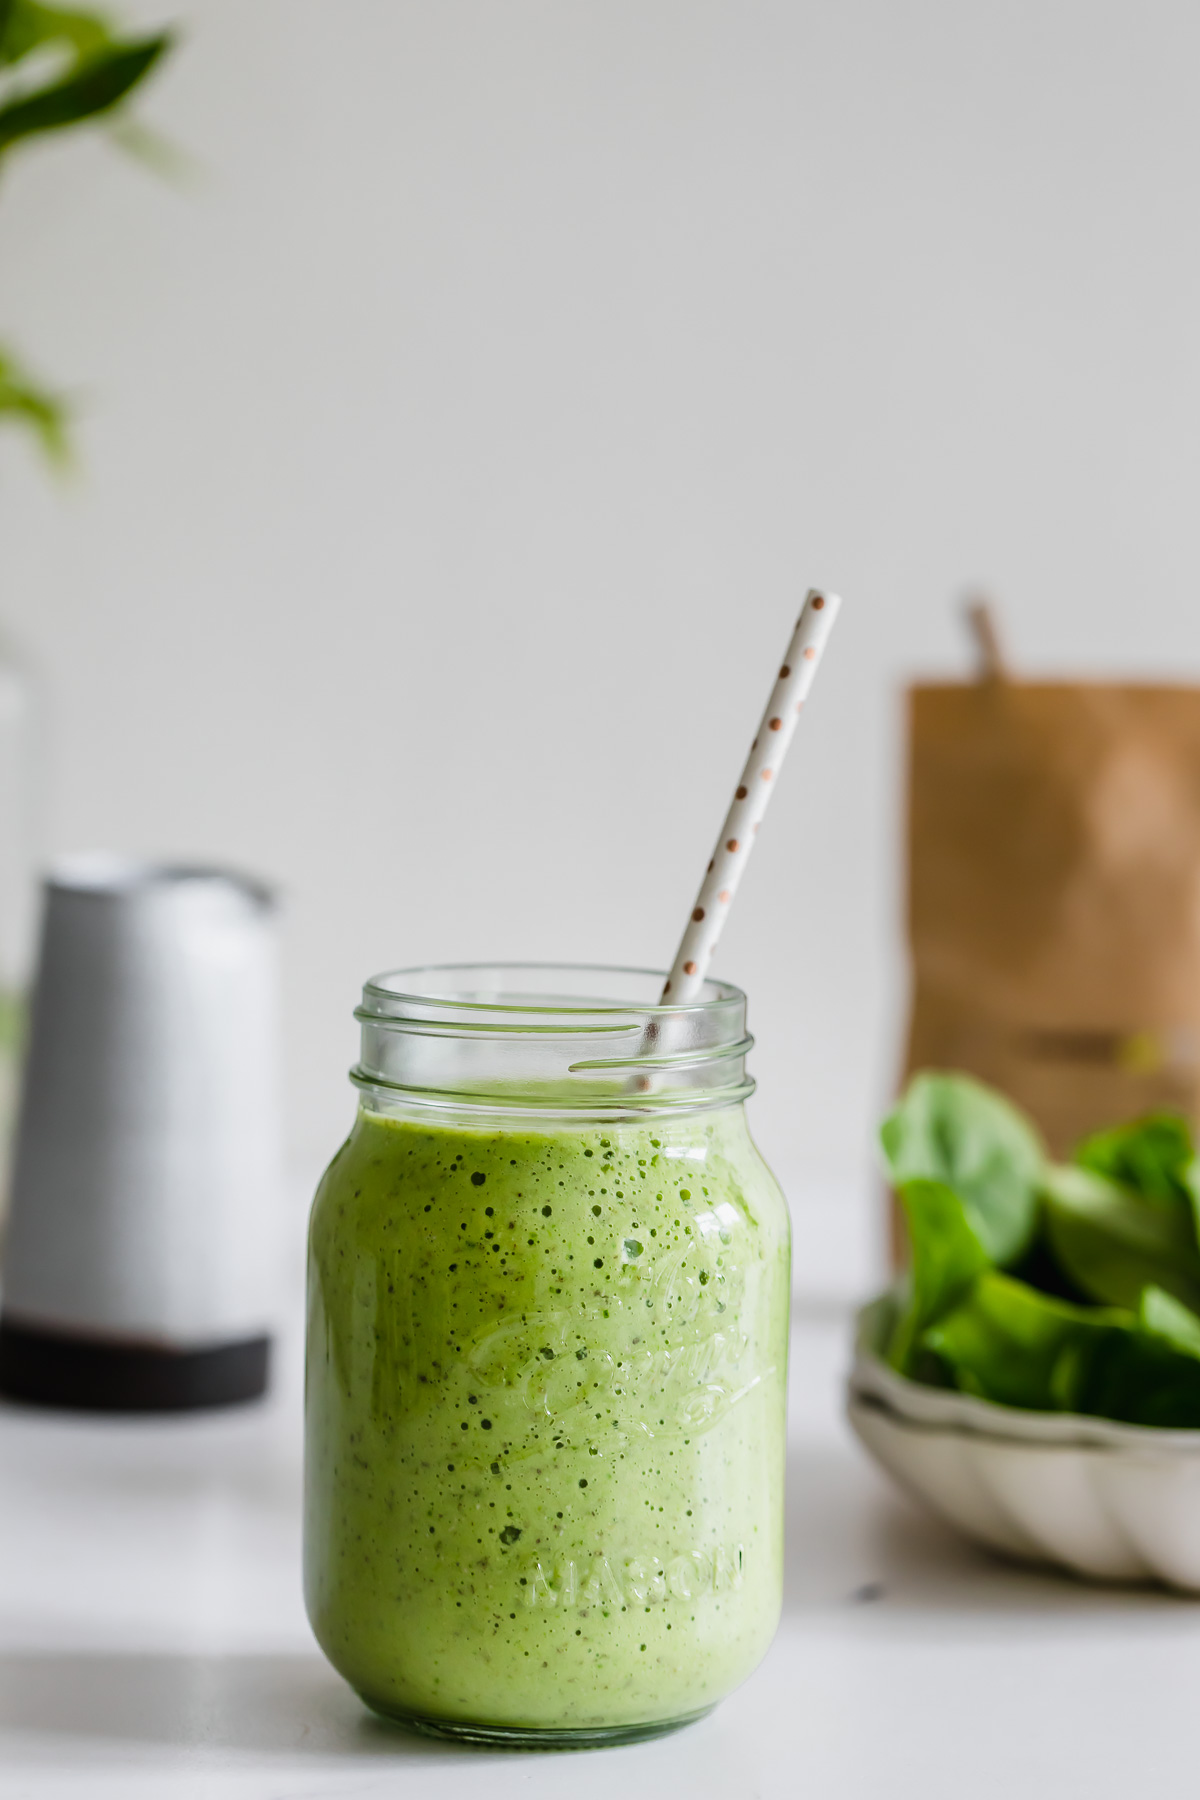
(564, 991)
(549, 1036)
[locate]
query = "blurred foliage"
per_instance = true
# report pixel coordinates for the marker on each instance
(23, 402)
(60, 69)
(1070, 1287)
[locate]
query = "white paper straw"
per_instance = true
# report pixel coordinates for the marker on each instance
(800, 664)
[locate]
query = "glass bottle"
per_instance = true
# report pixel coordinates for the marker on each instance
(546, 1367)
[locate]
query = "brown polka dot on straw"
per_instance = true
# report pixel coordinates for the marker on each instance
(770, 745)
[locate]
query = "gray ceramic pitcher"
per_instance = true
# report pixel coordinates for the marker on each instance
(137, 1265)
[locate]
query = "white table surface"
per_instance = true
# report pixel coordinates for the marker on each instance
(153, 1642)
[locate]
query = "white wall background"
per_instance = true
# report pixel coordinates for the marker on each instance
(457, 447)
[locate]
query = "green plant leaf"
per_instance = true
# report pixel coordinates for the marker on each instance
(1162, 1316)
(24, 403)
(94, 87)
(1152, 1156)
(1007, 1343)
(953, 1129)
(1151, 1374)
(93, 73)
(150, 148)
(26, 26)
(1118, 1229)
(947, 1256)
(1111, 1243)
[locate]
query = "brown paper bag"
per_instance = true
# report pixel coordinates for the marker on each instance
(1054, 895)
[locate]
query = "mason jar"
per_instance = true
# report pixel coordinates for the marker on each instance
(547, 1353)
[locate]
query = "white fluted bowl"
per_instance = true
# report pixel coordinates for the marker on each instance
(1109, 1502)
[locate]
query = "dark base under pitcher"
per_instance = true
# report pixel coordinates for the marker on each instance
(532, 1737)
(48, 1368)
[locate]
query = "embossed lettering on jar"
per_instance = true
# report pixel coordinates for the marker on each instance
(548, 1288)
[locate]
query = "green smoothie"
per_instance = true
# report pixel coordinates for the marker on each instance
(545, 1396)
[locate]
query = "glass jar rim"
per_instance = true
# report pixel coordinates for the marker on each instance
(381, 991)
(549, 1037)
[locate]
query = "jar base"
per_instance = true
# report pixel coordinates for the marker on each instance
(532, 1737)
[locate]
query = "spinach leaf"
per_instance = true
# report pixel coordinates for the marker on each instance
(952, 1129)
(1151, 1376)
(1007, 1343)
(1098, 1312)
(1111, 1243)
(947, 1256)
(1153, 1156)
(1162, 1316)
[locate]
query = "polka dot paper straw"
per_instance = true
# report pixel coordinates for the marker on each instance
(800, 664)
